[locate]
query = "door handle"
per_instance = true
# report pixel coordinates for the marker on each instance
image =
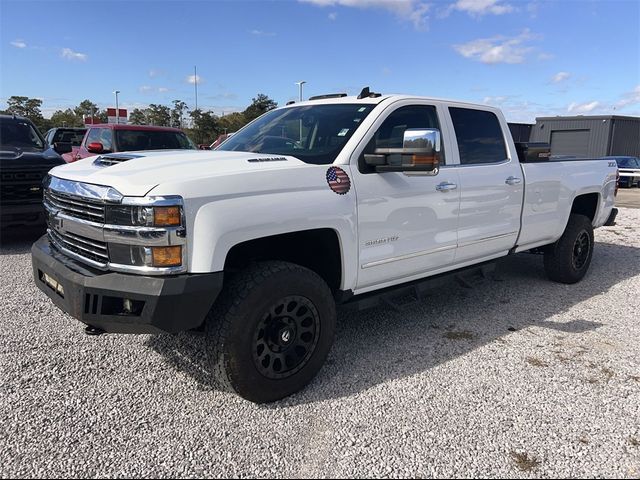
(513, 180)
(445, 186)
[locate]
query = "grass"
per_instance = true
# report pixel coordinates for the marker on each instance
(524, 462)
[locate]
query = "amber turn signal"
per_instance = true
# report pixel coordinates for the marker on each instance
(425, 160)
(166, 216)
(167, 256)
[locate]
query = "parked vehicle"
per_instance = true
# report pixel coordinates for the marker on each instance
(217, 142)
(70, 135)
(221, 138)
(25, 159)
(336, 200)
(629, 168)
(112, 138)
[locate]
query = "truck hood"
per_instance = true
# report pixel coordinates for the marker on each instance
(136, 173)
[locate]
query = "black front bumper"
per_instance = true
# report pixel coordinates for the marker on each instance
(156, 304)
(26, 214)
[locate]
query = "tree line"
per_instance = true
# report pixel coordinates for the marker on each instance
(202, 126)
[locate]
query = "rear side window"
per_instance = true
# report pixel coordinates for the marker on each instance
(479, 136)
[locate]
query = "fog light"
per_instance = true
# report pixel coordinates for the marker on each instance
(166, 256)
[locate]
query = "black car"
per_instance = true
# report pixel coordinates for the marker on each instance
(25, 159)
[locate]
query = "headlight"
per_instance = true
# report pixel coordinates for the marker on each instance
(142, 216)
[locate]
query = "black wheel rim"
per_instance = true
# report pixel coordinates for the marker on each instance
(581, 250)
(286, 337)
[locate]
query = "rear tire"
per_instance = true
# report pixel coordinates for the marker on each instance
(568, 260)
(271, 331)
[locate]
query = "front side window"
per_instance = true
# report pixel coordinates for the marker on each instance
(19, 134)
(391, 132)
(312, 133)
(479, 136)
(100, 135)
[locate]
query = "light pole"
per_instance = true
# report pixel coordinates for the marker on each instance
(117, 109)
(300, 85)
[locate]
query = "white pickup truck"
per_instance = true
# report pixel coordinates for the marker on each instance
(323, 202)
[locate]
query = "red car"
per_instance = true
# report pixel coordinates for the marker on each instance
(111, 138)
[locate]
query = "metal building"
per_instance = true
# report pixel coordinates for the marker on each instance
(589, 136)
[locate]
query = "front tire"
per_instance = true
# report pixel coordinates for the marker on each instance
(568, 260)
(271, 331)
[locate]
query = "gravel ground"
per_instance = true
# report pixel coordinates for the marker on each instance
(516, 377)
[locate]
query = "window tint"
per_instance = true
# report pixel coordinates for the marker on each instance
(391, 132)
(479, 136)
(135, 140)
(70, 136)
(102, 135)
(20, 134)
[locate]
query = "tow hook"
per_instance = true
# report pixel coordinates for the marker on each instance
(89, 330)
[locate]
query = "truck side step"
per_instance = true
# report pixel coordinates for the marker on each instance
(407, 295)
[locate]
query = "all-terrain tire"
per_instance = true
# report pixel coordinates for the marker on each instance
(270, 331)
(568, 260)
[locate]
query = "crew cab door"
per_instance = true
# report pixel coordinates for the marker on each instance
(407, 222)
(491, 185)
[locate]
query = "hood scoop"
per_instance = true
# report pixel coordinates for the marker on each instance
(113, 159)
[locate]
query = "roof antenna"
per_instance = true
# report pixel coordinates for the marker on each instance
(364, 93)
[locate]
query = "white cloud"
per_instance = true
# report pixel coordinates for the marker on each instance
(19, 44)
(582, 107)
(414, 11)
(332, 16)
(497, 49)
(560, 77)
(482, 7)
(71, 55)
(154, 72)
(262, 33)
(145, 89)
(163, 89)
(192, 79)
(630, 98)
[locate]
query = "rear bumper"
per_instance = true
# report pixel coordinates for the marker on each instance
(155, 304)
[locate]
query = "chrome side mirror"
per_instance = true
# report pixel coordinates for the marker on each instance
(420, 152)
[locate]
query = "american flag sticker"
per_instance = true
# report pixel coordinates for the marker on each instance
(338, 180)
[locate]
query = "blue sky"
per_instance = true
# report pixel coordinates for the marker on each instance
(531, 58)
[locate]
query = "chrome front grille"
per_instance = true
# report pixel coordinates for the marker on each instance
(87, 248)
(74, 206)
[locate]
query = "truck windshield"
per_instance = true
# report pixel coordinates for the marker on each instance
(18, 134)
(627, 162)
(134, 140)
(313, 133)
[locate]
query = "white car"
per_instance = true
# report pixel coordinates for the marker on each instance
(314, 204)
